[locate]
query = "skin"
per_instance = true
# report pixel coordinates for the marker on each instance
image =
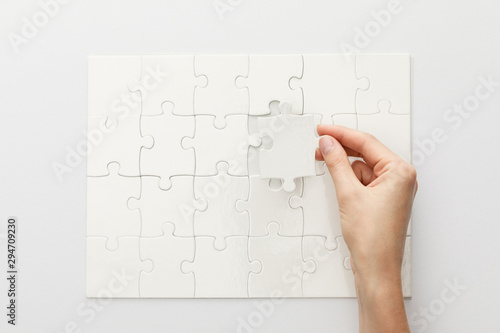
(375, 199)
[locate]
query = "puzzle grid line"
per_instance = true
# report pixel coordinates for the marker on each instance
(236, 213)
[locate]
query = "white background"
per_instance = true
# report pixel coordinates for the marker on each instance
(43, 95)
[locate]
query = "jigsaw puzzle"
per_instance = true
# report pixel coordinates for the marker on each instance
(204, 184)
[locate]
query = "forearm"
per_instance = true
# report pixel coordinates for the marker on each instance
(381, 306)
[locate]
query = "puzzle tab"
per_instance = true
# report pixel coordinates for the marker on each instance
(204, 184)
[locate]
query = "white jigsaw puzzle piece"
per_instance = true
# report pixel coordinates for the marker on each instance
(166, 78)
(329, 84)
(221, 273)
(268, 80)
(331, 278)
(108, 93)
(114, 274)
(267, 205)
(213, 145)
(393, 130)
(220, 219)
(220, 97)
(121, 143)
(107, 212)
(294, 144)
(282, 264)
(175, 205)
(167, 157)
(389, 77)
(321, 215)
(167, 252)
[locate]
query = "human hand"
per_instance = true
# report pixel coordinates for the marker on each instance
(375, 198)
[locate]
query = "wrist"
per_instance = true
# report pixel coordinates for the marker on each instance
(378, 287)
(381, 305)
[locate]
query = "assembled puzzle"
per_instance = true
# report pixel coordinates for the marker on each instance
(203, 182)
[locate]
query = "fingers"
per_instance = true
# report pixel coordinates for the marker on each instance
(350, 152)
(372, 150)
(338, 164)
(363, 172)
(318, 156)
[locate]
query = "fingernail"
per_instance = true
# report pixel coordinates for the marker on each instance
(326, 145)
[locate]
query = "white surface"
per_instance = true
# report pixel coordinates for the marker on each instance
(319, 219)
(213, 145)
(121, 143)
(114, 273)
(155, 88)
(265, 205)
(167, 130)
(339, 84)
(389, 78)
(268, 80)
(282, 264)
(107, 211)
(108, 79)
(221, 193)
(455, 231)
(166, 279)
(329, 267)
(396, 139)
(219, 96)
(155, 212)
(221, 273)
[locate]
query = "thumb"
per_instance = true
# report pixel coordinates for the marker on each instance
(338, 164)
